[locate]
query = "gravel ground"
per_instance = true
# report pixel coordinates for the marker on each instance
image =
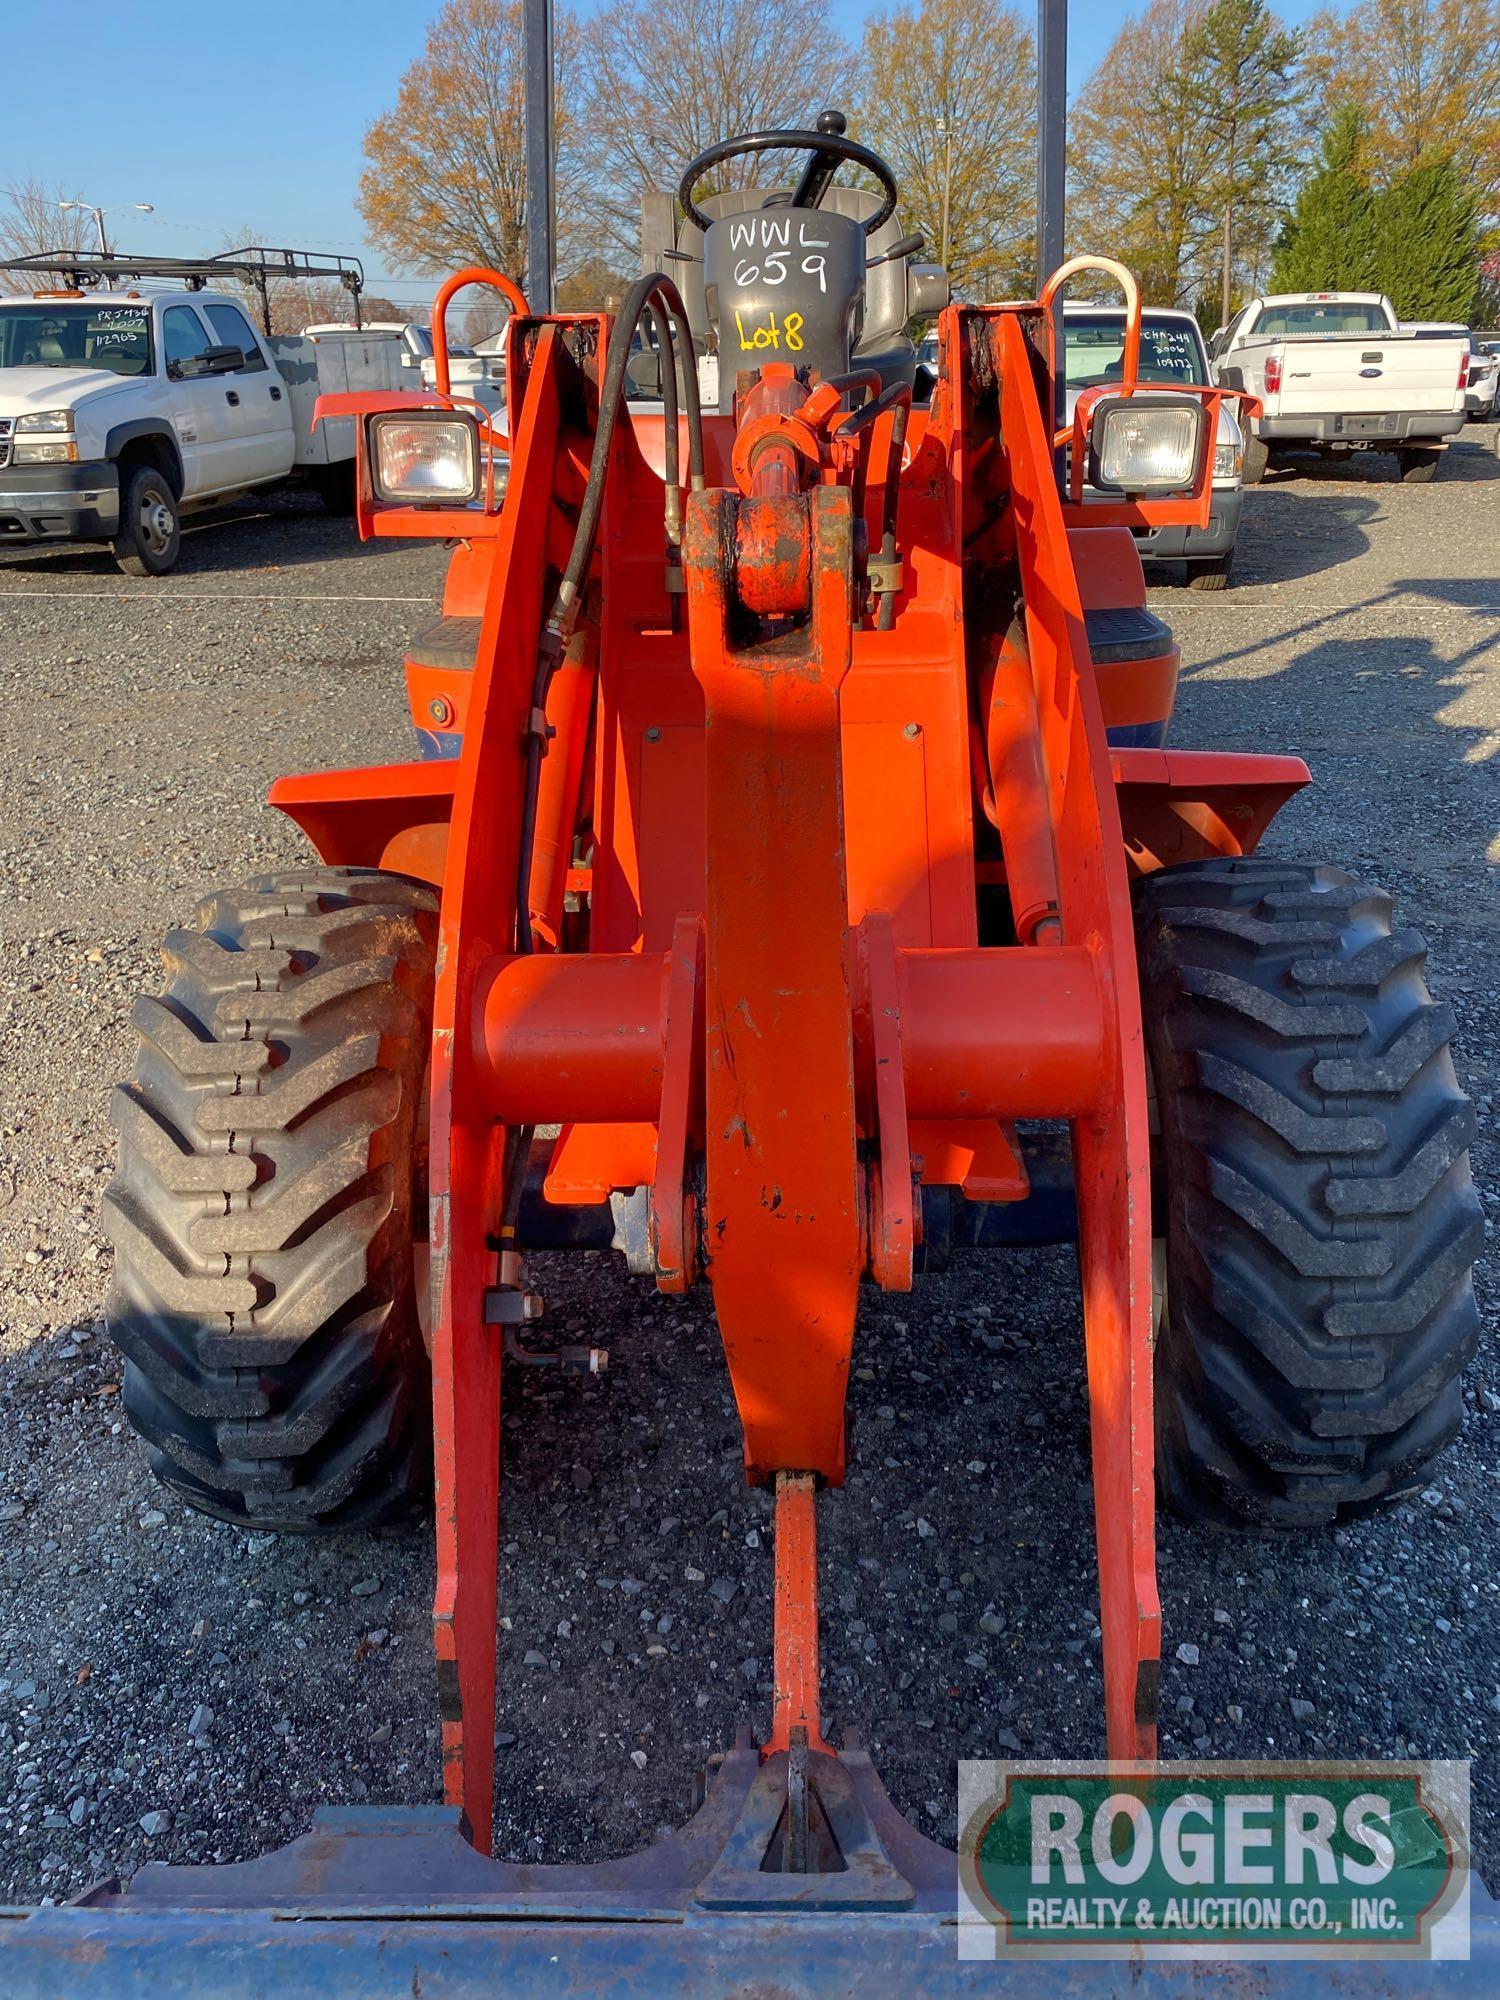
(172, 1689)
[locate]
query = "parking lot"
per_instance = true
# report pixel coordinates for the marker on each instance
(172, 1689)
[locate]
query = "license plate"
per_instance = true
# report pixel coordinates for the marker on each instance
(1368, 427)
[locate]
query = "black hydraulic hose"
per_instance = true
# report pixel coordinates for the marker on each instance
(658, 324)
(656, 299)
(653, 289)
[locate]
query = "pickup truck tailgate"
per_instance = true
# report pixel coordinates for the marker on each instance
(1361, 373)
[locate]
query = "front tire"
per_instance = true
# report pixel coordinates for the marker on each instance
(1320, 1219)
(263, 1212)
(149, 540)
(1213, 573)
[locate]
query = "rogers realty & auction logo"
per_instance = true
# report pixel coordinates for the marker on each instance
(1256, 1860)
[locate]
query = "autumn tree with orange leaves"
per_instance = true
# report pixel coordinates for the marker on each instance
(445, 183)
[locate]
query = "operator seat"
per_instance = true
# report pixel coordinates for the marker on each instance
(893, 294)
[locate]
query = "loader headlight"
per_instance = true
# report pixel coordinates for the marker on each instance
(427, 460)
(45, 420)
(1145, 444)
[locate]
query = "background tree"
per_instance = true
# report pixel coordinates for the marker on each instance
(663, 83)
(1239, 80)
(1137, 146)
(31, 223)
(1426, 75)
(1428, 239)
(947, 93)
(1330, 239)
(445, 183)
(596, 285)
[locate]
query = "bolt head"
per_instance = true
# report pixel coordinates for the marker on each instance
(440, 709)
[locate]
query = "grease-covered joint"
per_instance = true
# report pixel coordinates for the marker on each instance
(773, 556)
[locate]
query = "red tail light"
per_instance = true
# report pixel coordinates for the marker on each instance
(1273, 373)
(1463, 370)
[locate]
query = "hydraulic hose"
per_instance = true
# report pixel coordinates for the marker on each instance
(656, 300)
(657, 295)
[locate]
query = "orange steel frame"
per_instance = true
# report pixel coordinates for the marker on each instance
(776, 1004)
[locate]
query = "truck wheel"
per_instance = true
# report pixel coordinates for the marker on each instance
(1257, 457)
(1212, 573)
(1320, 1220)
(150, 537)
(335, 488)
(264, 1294)
(1417, 466)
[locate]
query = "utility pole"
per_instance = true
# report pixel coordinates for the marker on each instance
(1051, 170)
(945, 133)
(1051, 135)
(541, 209)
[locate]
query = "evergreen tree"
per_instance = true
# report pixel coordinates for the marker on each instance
(1240, 71)
(1329, 240)
(1428, 260)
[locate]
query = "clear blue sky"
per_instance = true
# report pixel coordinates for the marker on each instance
(245, 122)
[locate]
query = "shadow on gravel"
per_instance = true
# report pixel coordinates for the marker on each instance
(1288, 535)
(282, 531)
(1417, 681)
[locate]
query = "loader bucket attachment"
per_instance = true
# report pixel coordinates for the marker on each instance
(380, 1904)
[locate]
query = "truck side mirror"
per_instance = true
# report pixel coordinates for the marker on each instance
(222, 360)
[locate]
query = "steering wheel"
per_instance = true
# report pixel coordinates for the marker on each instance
(829, 149)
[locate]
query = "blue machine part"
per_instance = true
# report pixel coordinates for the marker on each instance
(383, 1904)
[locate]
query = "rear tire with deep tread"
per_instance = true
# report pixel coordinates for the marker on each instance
(262, 1213)
(1314, 1190)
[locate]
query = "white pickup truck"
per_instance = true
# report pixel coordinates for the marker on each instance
(121, 412)
(1336, 372)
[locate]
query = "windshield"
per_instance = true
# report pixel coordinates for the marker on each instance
(1171, 349)
(101, 334)
(1333, 316)
(419, 339)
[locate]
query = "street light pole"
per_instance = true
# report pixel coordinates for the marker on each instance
(541, 211)
(1052, 166)
(1051, 135)
(945, 133)
(145, 207)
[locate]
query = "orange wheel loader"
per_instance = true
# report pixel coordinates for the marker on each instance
(798, 854)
